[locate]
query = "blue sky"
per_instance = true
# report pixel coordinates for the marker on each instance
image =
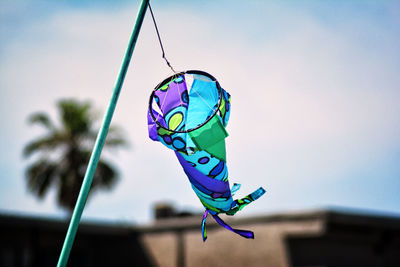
(314, 84)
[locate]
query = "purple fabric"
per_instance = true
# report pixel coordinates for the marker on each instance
(203, 225)
(167, 100)
(171, 98)
(207, 182)
(152, 125)
(244, 233)
(205, 215)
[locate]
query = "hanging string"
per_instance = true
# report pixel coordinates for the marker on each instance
(159, 39)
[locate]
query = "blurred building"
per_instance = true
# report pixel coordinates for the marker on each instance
(31, 242)
(314, 238)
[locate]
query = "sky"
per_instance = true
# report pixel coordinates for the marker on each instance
(315, 98)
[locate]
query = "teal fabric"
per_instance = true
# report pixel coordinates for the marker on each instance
(203, 97)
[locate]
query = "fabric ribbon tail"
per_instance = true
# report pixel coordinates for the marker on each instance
(258, 193)
(203, 226)
(243, 202)
(244, 233)
(235, 188)
(239, 204)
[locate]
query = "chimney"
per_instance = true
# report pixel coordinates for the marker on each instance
(163, 210)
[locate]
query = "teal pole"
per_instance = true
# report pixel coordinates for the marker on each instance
(101, 138)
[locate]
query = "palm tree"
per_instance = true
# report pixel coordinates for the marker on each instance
(62, 154)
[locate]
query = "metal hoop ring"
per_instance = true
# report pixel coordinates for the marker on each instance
(173, 77)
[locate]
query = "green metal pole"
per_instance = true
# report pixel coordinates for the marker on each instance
(101, 138)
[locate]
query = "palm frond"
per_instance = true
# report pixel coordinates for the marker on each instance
(105, 176)
(46, 143)
(40, 176)
(75, 116)
(69, 185)
(116, 142)
(43, 119)
(115, 138)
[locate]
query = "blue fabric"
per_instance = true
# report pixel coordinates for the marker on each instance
(203, 100)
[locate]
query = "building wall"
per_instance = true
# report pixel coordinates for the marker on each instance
(321, 238)
(224, 248)
(162, 247)
(347, 245)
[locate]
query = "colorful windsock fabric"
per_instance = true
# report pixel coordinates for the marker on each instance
(200, 151)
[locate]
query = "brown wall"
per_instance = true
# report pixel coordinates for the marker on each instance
(224, 248)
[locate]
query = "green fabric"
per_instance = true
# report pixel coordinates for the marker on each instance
(217, 150)
(210, 137)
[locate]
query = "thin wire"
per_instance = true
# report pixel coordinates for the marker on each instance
(159, 39)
